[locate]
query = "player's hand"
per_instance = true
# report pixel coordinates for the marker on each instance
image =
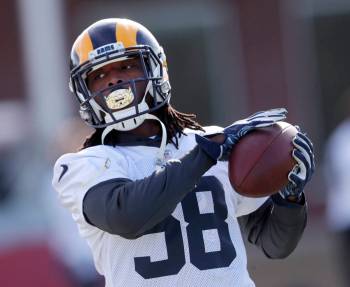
(219, 148)
(302, 172)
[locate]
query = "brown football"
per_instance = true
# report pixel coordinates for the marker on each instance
(260, 162)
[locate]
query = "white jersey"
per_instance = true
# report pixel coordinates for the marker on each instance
(199, 244)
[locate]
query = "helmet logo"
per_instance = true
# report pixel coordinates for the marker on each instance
(119, 99)
(106, 49)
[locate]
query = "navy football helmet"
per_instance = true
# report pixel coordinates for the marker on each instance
(108, 41)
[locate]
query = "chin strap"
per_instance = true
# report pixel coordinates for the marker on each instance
(106, 131)
(160, 160)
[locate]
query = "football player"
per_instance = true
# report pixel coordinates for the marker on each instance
(149, 190)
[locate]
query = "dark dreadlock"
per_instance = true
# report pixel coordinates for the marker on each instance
(175, 122)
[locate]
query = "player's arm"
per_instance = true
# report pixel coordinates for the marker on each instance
(276, 227)
(130, 208)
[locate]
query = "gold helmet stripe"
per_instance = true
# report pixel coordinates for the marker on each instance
(84, 47)
(126, 33)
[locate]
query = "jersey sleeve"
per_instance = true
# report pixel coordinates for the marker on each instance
(246, 205)
(76, 173)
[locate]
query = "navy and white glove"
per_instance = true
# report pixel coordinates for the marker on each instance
(302, 172)
(232, 133)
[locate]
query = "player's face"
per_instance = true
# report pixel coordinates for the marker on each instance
(117, 73)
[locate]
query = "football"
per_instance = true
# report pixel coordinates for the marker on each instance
(260, 162)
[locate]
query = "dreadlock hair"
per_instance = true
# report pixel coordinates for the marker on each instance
(175, 122)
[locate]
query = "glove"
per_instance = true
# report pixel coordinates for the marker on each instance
(302, 172)
(232, 133)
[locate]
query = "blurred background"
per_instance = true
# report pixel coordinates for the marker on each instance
(227, 59)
